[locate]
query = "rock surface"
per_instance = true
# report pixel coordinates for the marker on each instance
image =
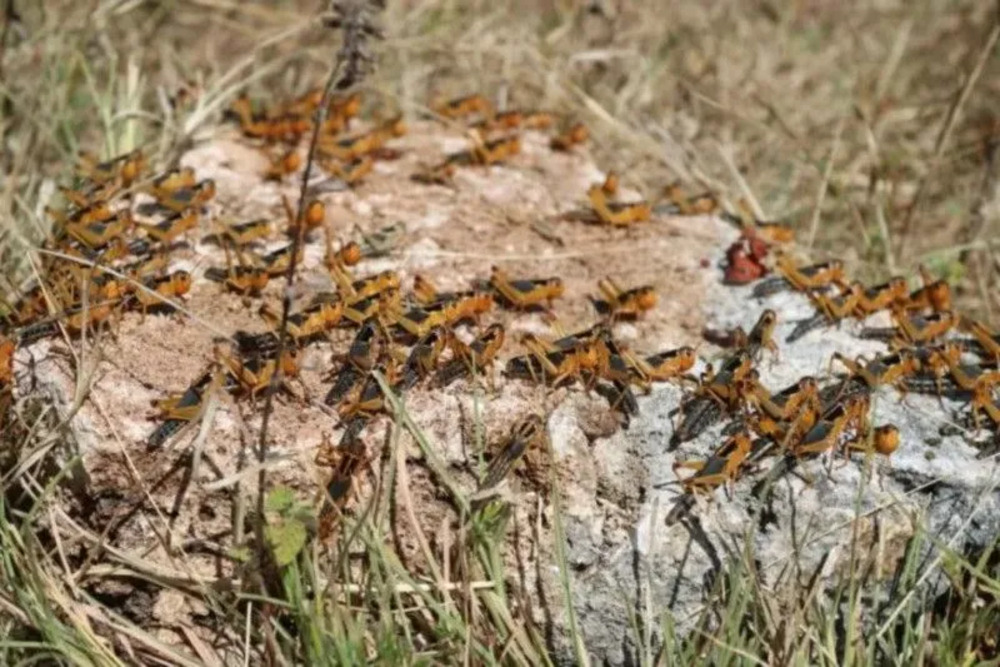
(637, 564)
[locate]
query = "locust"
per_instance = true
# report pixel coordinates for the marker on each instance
(178, 410)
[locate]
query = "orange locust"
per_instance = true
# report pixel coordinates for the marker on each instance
(464, 106)
(885, 370)
(340, 112)
(466, 304)
(835, 424)
(982, 401)
(277, 127)
(703, 204)
(770, 232)
(352, 172)
(124, 168)
(660, 367)
(180, 409)
(831, 310)
(474, 358)
(574, 136)
(166, 184)
(787, 403)
(761, 336)
(283, 165)
(881, 297)
(617, 214)
(245, 233)
(537, 120)
(885, 440)
(936, 365)
(97, 211)
(344, 462)
(525, 293)
(337, 261)
(240, 279)
(361, 358)
(98, 234)
(243, 278)
(308, 324)
(718, 392)
(168, 230)
(85, 198)
(722, 466)
(982, 385)
(192, 197)
(553, 366)
(74, 319)
(724, 386)
(174, 285)
(146, 265)
(461, 306)
(805, 278)
(501, 122)
(423, 359)
(313, 216)
(304, 105)
(788, 415)
(7, 347)
(933, 295)
(364, 401)
(527, 440)
(30, 306)
(356, 290)
(386, 305)
(913, 330)
(627, 304)
(276, 262)
(496, 151)
(923, 329)
(352, 148)
(424, 291)
(254, 373)
(419, 322)
(987, 341)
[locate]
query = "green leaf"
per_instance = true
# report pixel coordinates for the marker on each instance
(286, 540)
(280, 499)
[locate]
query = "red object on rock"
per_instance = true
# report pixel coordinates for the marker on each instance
(743, 261)
(757, 247)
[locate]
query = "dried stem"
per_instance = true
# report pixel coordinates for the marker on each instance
(354, 19)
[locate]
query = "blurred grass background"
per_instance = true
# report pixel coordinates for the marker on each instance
(871, 126)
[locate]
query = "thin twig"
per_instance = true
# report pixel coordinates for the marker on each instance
(824, 185)
(286, 299)
(346, 72)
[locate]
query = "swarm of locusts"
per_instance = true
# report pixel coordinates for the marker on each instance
(110, 250)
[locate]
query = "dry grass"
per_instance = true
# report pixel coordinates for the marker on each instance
(871, 126)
